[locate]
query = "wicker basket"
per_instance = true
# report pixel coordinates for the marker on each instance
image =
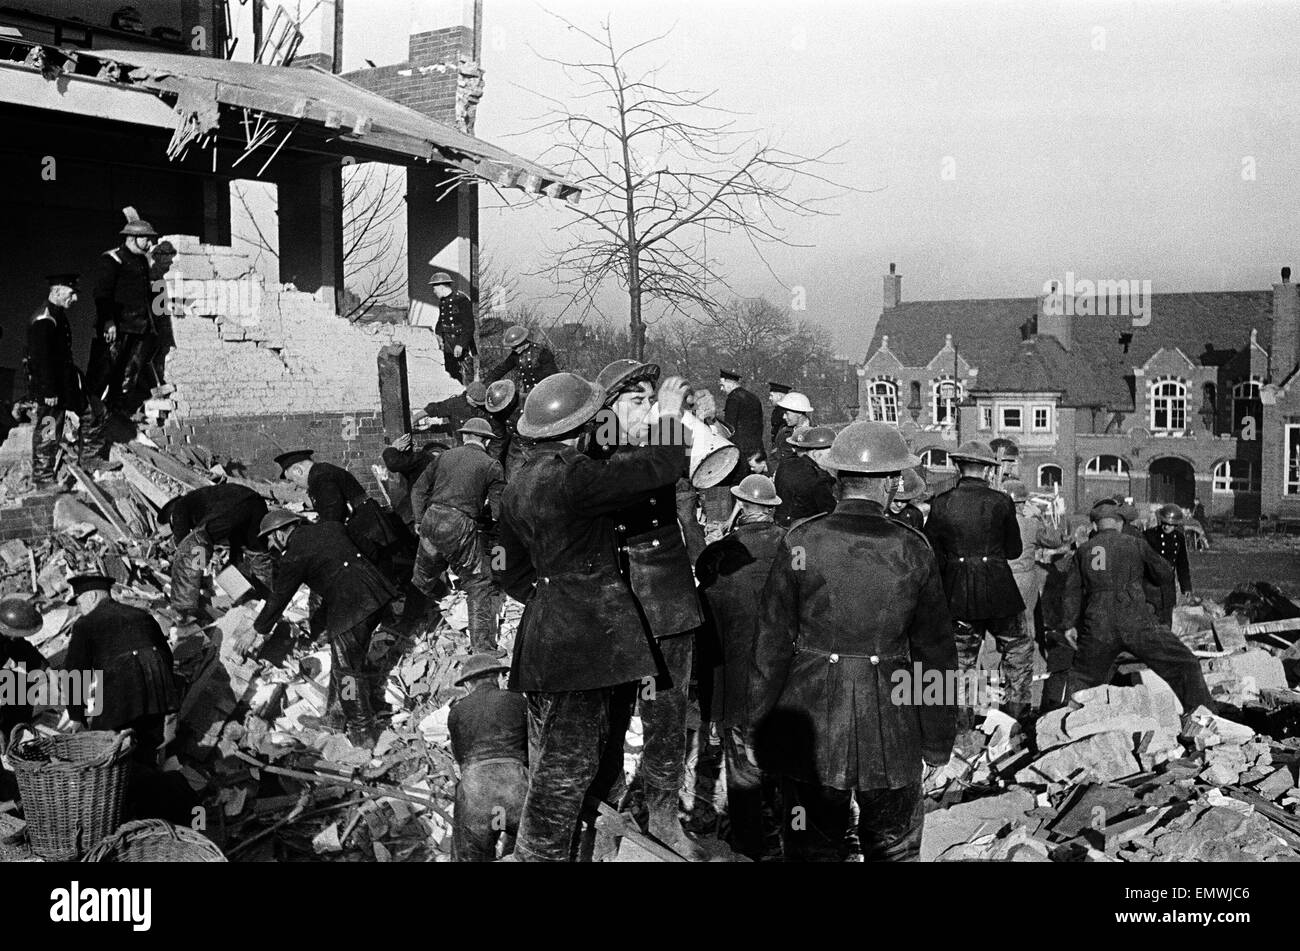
(153, 840)
(72, 786)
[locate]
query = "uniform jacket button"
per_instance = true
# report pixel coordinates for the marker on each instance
(622, 528)
(655, 543)
(875, 659)
(135, 653)
(654, 501)
(654, 523)
(835, 658)
(985, 558)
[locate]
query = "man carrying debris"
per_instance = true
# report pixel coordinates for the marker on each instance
(354, 596)
(126, 335)
(138, 688)
(805, 488)
(453, 502)
(1107, 612)
(582, 647)
(1170, 543)
(224, 514)
(852, 607)
(404, 460)
(733, 573)
(529, 360)
(489, 739)
(658, 540)
(456, 411)
(975, 536)
(52, 375)
(911, 486)
(455, 329)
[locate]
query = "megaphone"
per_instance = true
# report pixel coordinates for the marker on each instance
(713, 457)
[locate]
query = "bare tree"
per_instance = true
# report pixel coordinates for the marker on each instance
(662, 169)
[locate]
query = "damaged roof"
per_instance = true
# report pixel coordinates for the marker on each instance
(358, 115)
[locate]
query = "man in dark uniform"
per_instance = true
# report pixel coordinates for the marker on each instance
(658, 540)
(455, 328)
(1107, 612)
(453, 502)
(489, 739)
(742, 413)
(225, 514)
(805, 487)
(456, 410)
(19, 620)
(354, 596)
(975, 535)
(403, 459)
(1129, 513)
(126, 334)
(582, 647)
(337, 496)
(138, 687)
(529, 360)
(504, 406)
(911, 486)
(52, 375)
(733, 573)
(852, 610)
(776, 419)
(796, 414)
(1169, 542)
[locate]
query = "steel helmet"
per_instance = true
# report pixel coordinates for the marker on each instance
(476, 392)
(1170, 514)
(912, 486)
(138, 229)
(974, 451)
(1018, 491)
(623, 373)
(795, 403)
(758, 489)
(868, 448)
(476, 665)
(559, 404)
(19, 616)
(499, 395)
(478, 426)
(277, 518)
(812, 437)
(441, 277)
(515, 336)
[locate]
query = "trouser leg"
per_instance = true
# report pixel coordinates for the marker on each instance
(350, 673)
(816, 822)
(46, 438)
(470, 562)
(890, 823)
(969, 636)
(259, 568)
(572, 735)
(1093, 662)
(489, 798)
(189, 562)
(428, 574)
(1172, 662)
(1060, 658)
(744, 796)
(663, 716)
(93, 431)
(1016, 646)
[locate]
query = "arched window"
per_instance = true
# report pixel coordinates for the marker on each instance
(1048, 476)
(882, 401)
(945, 396)
(1235, 475)
(1246, 406)
(935, 459)
(1168, 406)
(1112, 466)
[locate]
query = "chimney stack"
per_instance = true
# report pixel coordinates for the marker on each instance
(1285, 350)
(1054, 318)
(893, 295)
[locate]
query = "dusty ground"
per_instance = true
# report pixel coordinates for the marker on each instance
(1232, 561)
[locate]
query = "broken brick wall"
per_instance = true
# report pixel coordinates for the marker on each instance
(260, 368)
(426, 82)
(28, 518)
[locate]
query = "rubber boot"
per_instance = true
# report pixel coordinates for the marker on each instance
(665, 825)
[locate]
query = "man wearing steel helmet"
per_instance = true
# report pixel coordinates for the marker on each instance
(733, 572)
(911, 486)
(503, 407)
(455, 411)
(796, 413)
(582, 648)
(53, 378)
(805, 487)
(1170, 543)
(529, 360)
(19, 620)
(852, 608)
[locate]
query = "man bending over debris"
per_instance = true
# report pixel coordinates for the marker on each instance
(225, 514)
(451, 501)
(337, 496)
(1107, 610)
(489, 738)
(353, 597)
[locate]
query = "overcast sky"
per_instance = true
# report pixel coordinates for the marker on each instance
(1142, 140)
